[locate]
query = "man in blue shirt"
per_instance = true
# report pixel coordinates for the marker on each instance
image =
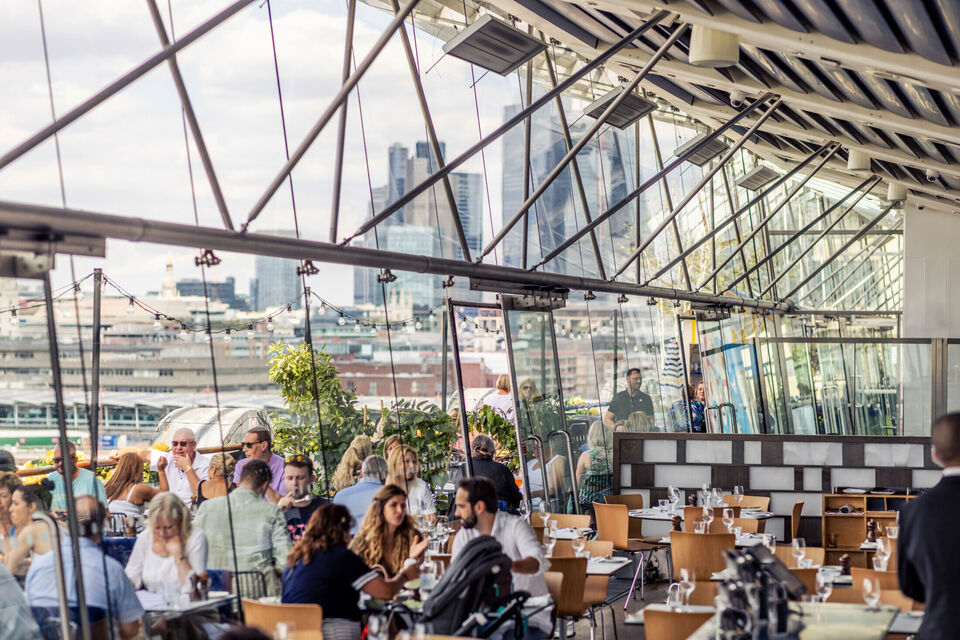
(85, 482)
(105, 585)
(358, 497)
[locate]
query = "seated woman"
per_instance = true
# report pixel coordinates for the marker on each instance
(348, 470)
(31, 537)
(482, 449)
(127, 494)
(595, 467)
(221, 468)
(169, 549)
(387, 535)
(403, 469)
(321, 570)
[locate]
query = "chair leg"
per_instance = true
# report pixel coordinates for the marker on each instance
(613, 621)
(593, 626)
(670, 565)
(638, 572)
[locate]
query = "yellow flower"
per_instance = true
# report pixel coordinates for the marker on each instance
(419, 435)
(161, 446)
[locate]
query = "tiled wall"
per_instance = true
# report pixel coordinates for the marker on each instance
(786, 468)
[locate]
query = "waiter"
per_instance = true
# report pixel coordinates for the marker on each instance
(628, 402)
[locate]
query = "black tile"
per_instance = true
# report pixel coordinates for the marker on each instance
(825, 486)
(771, 453)
(737, 452)
(631, 451)
(727, 476)
(811, 530)
(641, 476)
(853, 455)
(681, 451)
(798, 478)
(928, 462)
(894, 478)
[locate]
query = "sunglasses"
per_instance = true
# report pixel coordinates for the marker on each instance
(181, 443)
(249, 444)
(526, 387)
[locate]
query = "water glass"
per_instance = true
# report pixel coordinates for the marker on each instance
(738, 493)
(727, 518)
(674, 597)
(584, 554)
(284, 631)
(805, 563)
(664, 505)
(579, 542)
(799, 548)
(707, 515)
(542, 510)
(549, 543)
(699, 526)
(770, 542)
(688, 583)
(893, 531)
(880, 563)
(871, 593)
(824, 586)
(738, 531)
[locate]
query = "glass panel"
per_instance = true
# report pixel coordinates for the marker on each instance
(953, 377)
(835, 414)
(730, 376)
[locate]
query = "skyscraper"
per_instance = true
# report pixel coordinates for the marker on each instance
(277, 279)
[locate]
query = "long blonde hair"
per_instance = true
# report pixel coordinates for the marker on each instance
(346, 473)
(396, 461)
(370, 539)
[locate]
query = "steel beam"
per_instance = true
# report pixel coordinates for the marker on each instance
(44, 220)
(846, 245)
(731, 202)
(874, 244)
(696, 189)
(835, 232)
(584, 139)
(527, 132)
(342, 122)
(506, 126)
(870, 249)
(870, 276)
(666, 194)
(331, 109)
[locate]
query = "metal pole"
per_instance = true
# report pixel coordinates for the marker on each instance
(464, 427)
(666, 194)
(42, 219)
(887, 272)
(870, 249)
(331, 109)
(506, 126)
(736, 224)
(521, 436)
(443, 357)
(817, 239)
(72, 524)
(846, 245)
(191, 116)
(770, 215)
(713, 223)
(342, 123)
(64, 605)
(636, 223)
(575, 165)
(525, 235)
(95, 371)
(863, 185)
(585, 138)
(654, 179)
(432, 138)
(121, 82)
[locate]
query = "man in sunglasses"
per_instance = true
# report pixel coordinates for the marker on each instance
(85, 482)
(256, 446)
(182, 468)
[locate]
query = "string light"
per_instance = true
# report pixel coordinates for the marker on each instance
(373, 330)
(227, 338)
(323, 308)
(341, 320)
(78, 294)
(206, 337)
(270, 325)
(356, 327)
(131, 308)
(156, 323)
(14, 320)
(250, 331)
(418, 325)
(183, 331)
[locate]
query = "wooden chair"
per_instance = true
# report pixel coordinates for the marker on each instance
(570, 604)
(888, 579)
(895, 597)
(554, 580)
(846, 596)
(307, 618)
(633, 501)
(692, 514)
(784, 554)
(747, 525)
(597, 549)
(564, 520)
(795, 518)
(755, 502)
(672, 625)
(613, 525)
(702, 553)
(808, 577)
(704, 592)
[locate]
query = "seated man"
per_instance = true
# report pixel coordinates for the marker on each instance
(105, 585)
(85, 482)
(357, 498)
(300, 502)
(477, 508)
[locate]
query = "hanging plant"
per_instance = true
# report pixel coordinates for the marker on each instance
(489, 421)
(425, 427)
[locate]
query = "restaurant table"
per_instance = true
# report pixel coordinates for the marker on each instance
(157, 609)
(606, 566)
(743, 540)
(654, 513)
(637, 616)
(569, 533)
(829, 621)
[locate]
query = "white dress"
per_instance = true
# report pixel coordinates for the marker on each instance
(419, 498)
(155, 573)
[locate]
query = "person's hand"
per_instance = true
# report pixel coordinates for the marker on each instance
(182, 462)
(418, 547)
(114, 455)
(162, 464)
(174, 547)
(285, 503)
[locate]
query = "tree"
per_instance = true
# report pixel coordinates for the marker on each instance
(340, 419)
(425, 427)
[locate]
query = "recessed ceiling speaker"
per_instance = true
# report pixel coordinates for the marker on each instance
(858, 160)
(758, 178)
(704, 154)
(631, 109)
(896, 192)
(712, 48)
(494, 45)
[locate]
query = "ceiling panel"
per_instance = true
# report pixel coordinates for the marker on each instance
(917, 28)
(870, 24)
(781, 13)
(809, 74)
(823, 17)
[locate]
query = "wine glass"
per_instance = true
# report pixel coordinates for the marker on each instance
(799, 546)
(727, 518)
(707, 516)
(882, 555)
(579, 543)
(428, 577)
(871, 593)
(550, 541)
(544, 514)
(824, 586)
(688, 582)
(738, 493)
(674, 494)
(674, 597)
(524, 510)
(770, 542)
(717, 496)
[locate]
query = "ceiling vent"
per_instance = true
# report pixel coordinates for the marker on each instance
(631, 109)
(494, 45)
(712, 48)
(858, 160)
(896, 192)
(704, 154)
(758, 178)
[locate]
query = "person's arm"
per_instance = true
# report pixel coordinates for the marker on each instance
(135, 563)
(273, 497)
(16, 557)
(183, 463)
(162, 474)
(143, 493)
(513, 495)
(196, 551)
(583, 463)
(609, 418)
(386, 588)
(428, 509)
(280, 539)
(531, 560)
(129, 630)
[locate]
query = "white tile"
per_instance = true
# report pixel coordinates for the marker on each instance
(782, 503)
(893, 455)
(660, 450)
(776, 526)
(925, 478)
(813, 453)
(626, 475)
(710, 452)
(770, 478)
(681, 475)
(643, 492)
(813, 479)
(860, 478)
(751, 452)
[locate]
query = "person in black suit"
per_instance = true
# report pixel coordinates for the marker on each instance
(929, 542)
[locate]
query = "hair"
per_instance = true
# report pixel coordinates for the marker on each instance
(328, 526)
(946, 438)
(91, 514)
(599, 436)
(71, 448)
(9, 481)
(375, 467)
(369, 541)
(168, 506)
(396, 459)
(222, 464)
(263, 434)
(129, 470)
(632, 370)
(480, 489)
(388, 442)
(350, 463)
(503, 382)
(535, 391)
(300, 461)
(483, 446)
(257, 473)
(243, 633)
(193, 434)
(31, 495)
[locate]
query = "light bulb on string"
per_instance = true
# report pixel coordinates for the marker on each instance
(373, 330)
(341, 320)
(77, 293)
(270, 324)
(156, 323)
(250, 331)
(288, 313)
(14, 320)
(183, 332)
(206, 337)
(323, 309)
(227, 338)
(356, 327)
(418, 325)
(131, 308)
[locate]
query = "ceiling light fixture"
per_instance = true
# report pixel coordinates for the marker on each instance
(494, 45)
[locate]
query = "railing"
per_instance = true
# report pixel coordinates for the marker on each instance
(39, 471)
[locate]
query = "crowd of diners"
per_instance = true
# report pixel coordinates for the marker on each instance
(257, 514)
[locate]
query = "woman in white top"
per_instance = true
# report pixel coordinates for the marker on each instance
(169, 549)
(501, 400)
(404, 466)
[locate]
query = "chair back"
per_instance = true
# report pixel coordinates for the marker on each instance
(795, 518)
(895, 598)
(703, 553)
(784, 553)
(887, 579)
(597, 549)
(570, 602)
(612, 524)
(704, 592)
(846, 596)
(808, 577)
(755, 502)
(554, 580)
(672, 625)
(566, 520)
(747, 525)
(632, 500)
(306, 618)
(692, 514)
(246, 584)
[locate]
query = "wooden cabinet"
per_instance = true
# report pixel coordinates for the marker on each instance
(850, 528)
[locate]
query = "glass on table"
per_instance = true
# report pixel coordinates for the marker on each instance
(707, 515)
(770, 542)
(717, 497)
(579, 543)
(871, 593)
(688, 583)
(824, 586)
(882, 555)
(738, 493)
(893, 531)
(544, 514)
(737, 531)
(699, 526)
(799, 549)
(727, 518)
(285, 631)
(664, 505)
(674, 597)
(549, 543)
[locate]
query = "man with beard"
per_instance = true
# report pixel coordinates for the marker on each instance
(476, 506)
(299, 503)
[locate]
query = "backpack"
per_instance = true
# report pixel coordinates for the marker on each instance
(478, 577)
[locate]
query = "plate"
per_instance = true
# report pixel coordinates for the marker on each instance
(856, 491)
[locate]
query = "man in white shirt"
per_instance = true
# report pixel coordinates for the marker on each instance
(476, 502)
(182, 466)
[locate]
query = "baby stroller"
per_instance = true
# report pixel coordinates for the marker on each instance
(474, 598)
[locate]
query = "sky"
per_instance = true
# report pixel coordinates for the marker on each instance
(128, 155)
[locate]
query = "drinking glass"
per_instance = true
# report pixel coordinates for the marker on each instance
(524, 510)
(705, 495)
(824, 586)
(707, 516)
(422, 629)
(664, 505)
(727, 518)
(880, 564)
(550, 541)
(717, 496)
(579, 542)
(770, 542)
(871, 593)
(428, 578)
(738, 493)
(544, 514)
(699, 526)
(284, 631)
(674, 494)
(893, 531)
(799, 549)
(675, 597)
(688, 582)
(552, 526)
(737, 531)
